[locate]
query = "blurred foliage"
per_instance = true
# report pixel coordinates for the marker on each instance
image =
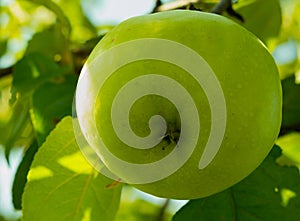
(3, 47)
(6, 109)
(22, 19)
(290, 31)
(43, 46)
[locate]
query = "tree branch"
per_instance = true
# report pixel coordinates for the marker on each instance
(220, 8)
(179, 4)
(226, 5)
(6, 71)
(157, 4)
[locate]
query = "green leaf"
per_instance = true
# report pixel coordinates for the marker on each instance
(262, 17)
(62, 186)
(3, 47)
(291, 102)
(29, 73)
(57, 46)
(5, 108)
(50, 103)
(32, 71)
(271, 192)
(290, 145)
(18, 130)
(82, 28)
(21, 175)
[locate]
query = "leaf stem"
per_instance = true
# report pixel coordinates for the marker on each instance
(162, 210)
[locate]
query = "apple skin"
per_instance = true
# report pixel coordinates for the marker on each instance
(250, 83)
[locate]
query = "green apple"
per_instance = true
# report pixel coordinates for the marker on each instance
(180, 104)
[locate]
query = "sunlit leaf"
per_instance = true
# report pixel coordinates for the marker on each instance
(290, 145)
(271, 192)
(291, 18)
(5, 108)
(287, 43)
(3, 47)
(15, 126)
(82, 28)
(18, 21)
(68, 192)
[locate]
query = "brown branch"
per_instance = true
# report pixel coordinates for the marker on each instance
(226, 5)
(6, 71)
(157, 4)
(179, 4)
(233, 13)
(220, 8)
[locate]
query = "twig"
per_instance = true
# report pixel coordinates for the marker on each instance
(179, 4)
(6, 71)
(220, 8)
(226, 5)
(157, 4)
(162, 211)
(113, 184)
(233, 13)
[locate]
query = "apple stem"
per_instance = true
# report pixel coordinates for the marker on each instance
(175, 136)
(172, 136)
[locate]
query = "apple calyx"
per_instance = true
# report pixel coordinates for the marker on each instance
(172, 135)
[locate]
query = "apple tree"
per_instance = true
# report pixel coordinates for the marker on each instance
(52, 56)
